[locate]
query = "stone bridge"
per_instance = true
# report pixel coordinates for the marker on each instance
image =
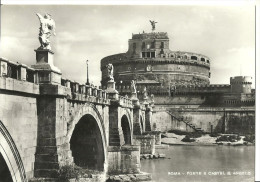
(47, 121)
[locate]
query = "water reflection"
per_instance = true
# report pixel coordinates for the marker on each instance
(203, 163)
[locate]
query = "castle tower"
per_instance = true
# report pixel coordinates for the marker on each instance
(241, 84)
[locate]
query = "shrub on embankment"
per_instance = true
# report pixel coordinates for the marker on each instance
(228, 138)
(249, 138)
(188, 139)
(73, 171)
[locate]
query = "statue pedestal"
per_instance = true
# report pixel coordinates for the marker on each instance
(111, 90)
(133, 95)
(46, 71)
(134, 99)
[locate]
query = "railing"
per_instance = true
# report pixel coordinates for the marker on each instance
(17, 71)
(84, 92)
(125, 101)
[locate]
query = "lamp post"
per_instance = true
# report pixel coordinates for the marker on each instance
(87, 83)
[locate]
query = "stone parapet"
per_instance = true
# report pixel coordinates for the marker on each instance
(17, 71)
(10, 84)
(125, 102)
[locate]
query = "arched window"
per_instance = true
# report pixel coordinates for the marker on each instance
(207, 61)
(143, 45)
(162, 45)
(185, 57)
(202, 59)
(194, 58)
(153, 44)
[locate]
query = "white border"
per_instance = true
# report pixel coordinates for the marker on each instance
(173, 2)
(134, 2)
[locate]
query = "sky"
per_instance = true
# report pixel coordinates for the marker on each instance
(226, 34)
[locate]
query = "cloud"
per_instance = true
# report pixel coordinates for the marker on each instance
(225, 34)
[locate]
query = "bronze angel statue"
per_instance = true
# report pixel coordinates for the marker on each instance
(153, 24)
(47, 28)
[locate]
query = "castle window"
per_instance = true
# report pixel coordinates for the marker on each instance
(194, 58)
(202, 59)
(153, 45)
(143, 54)
(162, 45)
(153, 54)
(185, 57)
(161, 52)
(207, 61)
(143, 45)
(148, 54)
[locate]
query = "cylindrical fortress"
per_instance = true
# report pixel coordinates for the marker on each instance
(149, 61)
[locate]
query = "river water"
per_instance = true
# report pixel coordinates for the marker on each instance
(203, 164)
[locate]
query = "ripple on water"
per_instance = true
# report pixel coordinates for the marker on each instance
(188, 163)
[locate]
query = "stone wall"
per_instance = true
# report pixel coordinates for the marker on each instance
(228, 120)
(146, 142)
(240, 122)
(180, 99)
(123, 160)
(18, 114)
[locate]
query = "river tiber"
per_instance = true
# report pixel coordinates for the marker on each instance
(155, 116)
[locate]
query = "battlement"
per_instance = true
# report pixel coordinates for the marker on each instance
(241, 80)
(181, 58)
(151, 35)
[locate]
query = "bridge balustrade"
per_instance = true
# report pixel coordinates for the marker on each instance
(125, 102)
(17, 71)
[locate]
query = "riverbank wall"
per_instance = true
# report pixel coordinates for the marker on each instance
(208, 119)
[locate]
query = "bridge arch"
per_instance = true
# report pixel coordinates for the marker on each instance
(126, 128)
(9, 154)
(87, 139)
(126, 123)
(142, 123)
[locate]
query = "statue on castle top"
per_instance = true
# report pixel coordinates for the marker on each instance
(153, 24)
(47, 28)
(133, 88)
(110, 72)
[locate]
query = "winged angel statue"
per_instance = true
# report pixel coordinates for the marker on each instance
(153, 24)
(47, 27)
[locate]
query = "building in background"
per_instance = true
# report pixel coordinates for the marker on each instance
(179, 80)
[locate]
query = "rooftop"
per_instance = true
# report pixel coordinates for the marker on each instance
(151, 35)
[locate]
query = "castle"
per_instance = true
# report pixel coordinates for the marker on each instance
(179, 81)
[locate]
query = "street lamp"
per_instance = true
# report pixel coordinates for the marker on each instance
(87, 83)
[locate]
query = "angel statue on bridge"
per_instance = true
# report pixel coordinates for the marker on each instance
(47, 26)
(110, 72)
(133, 87)
(153, 24)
